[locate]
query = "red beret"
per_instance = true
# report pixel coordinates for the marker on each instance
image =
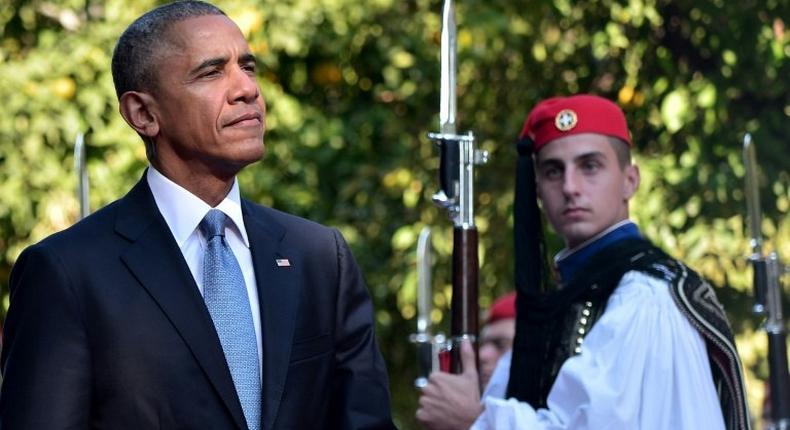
(503, 308)
(564, 116)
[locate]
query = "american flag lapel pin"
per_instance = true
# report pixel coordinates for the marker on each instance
(283, 262)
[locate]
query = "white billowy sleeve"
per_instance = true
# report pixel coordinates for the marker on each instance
(642, 366)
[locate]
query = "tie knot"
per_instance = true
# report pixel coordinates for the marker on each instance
(213, 224)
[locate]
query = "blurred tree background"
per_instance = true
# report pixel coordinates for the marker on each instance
(352, 89)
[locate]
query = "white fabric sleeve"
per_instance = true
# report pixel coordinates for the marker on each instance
(642, 366)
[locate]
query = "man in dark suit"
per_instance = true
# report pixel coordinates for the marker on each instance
(108, 327)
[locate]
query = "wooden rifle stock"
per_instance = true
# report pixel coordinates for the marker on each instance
(464, 306)
(779, 379)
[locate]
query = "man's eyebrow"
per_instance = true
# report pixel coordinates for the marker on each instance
(578, 158)
(210, 63)
(550, 162)
(589, 156)
(248, 58)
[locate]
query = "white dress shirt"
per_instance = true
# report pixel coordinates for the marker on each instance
(642, 366)
(183, 212)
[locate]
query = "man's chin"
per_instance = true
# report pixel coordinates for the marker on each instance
(577, 234)
(248, 154)
(231, 166)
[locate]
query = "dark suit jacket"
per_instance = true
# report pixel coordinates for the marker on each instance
(107, 330)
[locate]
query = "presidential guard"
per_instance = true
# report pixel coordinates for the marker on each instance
(617, 334)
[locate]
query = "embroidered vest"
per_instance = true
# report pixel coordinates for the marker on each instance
(551, 326)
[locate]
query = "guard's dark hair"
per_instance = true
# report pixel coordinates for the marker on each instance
(133, 67)
(622, 150)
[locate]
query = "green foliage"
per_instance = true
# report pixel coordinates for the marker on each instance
(352, 89)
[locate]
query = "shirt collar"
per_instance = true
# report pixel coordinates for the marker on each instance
(569, 261)
(183, 210)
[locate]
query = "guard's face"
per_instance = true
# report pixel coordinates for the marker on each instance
(496, 339)
(582, 187)
(210, 112)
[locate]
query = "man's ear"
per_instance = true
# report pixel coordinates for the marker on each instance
(137, 109)
(631, 179)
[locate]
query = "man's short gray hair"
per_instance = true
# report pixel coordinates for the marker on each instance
(133, 60)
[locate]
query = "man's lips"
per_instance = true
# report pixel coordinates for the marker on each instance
(246, 120)
(574, 211)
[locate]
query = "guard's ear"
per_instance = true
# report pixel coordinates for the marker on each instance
(631, 178)
(137, 108)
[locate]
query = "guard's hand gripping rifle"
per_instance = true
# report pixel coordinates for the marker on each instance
(458, 157)
(768, 296)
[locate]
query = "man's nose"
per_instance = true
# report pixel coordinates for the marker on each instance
(244, 87)
(486, 351)
(570, 182)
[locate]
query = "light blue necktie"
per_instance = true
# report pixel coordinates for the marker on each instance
(226, 299)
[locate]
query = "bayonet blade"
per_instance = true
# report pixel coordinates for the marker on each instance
(424, 290)
(752, 193)
(447, 107)
(82, 175)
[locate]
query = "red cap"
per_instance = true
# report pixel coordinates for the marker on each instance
(564, 116)
(503, 308)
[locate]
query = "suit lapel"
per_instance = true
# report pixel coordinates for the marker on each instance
(279, 287)
(173, 289)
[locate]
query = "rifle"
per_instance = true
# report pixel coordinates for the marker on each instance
(768, 296)
(458, 157)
